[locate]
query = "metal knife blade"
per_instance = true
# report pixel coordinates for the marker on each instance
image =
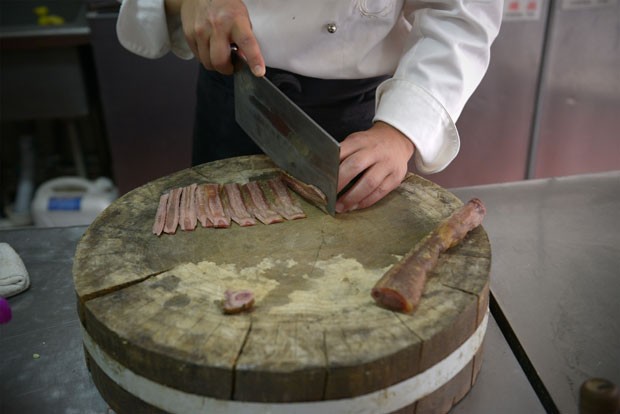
(294, 141)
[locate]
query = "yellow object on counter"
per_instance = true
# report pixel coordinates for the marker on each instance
(46, 19)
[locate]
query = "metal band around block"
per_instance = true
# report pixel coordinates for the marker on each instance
(386, 400)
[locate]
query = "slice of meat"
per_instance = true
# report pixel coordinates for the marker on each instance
(160, 216)
(172, 213)
(284, 204)
(201, 206)
(401, 287)
(188, 208)
(257, 204)
(191, 214)
(236, 301)
(234, 207)
(215, 209)
(309, 192)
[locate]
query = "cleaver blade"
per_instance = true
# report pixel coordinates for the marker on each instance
(294, 141)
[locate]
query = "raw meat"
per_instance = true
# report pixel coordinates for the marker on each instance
(201, 206)
(160, 216)
(309, 192)
(172, 212)
(188, 208)
(215, 209)
(233, 204)
(256, 203)
(283, 202)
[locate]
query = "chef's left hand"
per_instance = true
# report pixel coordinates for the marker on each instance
(382, 154)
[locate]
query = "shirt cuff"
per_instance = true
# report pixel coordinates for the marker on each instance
(142, 28)
(417, 114)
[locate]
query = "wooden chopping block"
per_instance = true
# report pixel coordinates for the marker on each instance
(156, 339)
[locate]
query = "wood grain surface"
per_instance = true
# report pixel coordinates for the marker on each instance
(152, 303)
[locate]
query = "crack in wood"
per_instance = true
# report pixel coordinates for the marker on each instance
(318, 252)
(234, 366)
(400, 319)
(449, 286)
(112, 289)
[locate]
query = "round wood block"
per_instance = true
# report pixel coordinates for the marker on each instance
(156, 339)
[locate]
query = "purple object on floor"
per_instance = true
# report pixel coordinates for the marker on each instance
(5, 311)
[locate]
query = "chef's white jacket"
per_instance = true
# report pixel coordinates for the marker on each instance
(436, 50)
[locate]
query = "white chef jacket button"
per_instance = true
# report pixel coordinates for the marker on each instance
(331, 27)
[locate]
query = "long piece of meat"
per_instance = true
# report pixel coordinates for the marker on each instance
(188, 208)
(160, 216)
(283, 202)
(233, 205)
(215, 209)
(256, 203)
(172, 213)
(401, 287)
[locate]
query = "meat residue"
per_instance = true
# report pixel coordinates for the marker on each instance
(216, 205)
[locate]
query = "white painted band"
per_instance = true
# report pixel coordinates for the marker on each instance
(389, 399)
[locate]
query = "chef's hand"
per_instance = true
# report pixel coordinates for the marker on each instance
(381, 154)
(210, 26)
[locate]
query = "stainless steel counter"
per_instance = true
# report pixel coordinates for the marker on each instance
(556, 276)
(555, 279)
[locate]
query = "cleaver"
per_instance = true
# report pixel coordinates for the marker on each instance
(295, 142)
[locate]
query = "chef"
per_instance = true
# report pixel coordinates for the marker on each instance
(387, 78)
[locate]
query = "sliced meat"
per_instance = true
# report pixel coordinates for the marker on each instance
(237, 301)
(284, 204)
(215, 209)
(172, 212)
(160, 216)
(257, 204)
(201, 206)
(234, 207)
(309, 192)
(401, 287)
(188, 208)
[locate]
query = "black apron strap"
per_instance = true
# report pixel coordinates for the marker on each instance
(341, 107)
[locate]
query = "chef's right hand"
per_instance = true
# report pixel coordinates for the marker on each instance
(210, 26)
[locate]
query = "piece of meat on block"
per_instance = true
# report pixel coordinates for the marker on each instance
(401, 287)
(257, 204)
(234, 207)
(284, 204)
(236, 301)
(160, 216)
(215, 208)
(201, 206)
(188, 208)
(172, 213)
(308, 191)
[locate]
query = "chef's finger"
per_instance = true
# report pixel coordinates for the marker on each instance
(351, 144)
(219, 44)
(202, 53)
(243, 36)
(373, 180)
(194, 48)
(352, 166)
(190, 38)
(389, 184)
